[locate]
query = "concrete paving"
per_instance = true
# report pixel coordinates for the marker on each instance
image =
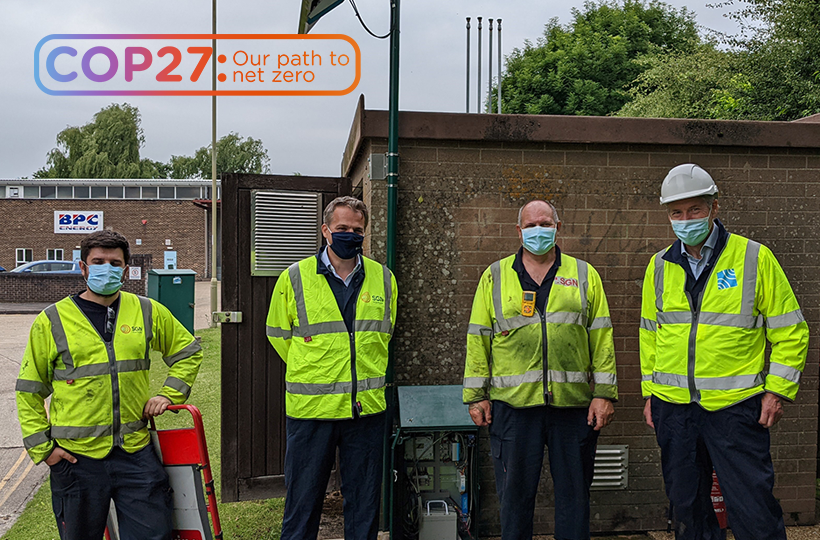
(19, 478)
(10, 308)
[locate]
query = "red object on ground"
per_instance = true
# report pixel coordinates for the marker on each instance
(187, 446)
(717, 502)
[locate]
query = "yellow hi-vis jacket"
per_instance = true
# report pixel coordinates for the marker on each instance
(98, 389)
(713, 353)
(518, 359)
(330, 372)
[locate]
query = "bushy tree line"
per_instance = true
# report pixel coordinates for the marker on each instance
(109, 147)
(639, 58)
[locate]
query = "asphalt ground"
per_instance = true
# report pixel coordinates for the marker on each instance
(19, 477)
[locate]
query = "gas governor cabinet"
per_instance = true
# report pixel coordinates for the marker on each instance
(434, 462)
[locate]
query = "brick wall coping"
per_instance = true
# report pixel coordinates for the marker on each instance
(577, 129)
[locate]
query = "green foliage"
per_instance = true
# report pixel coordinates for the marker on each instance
(106, 147)
(585, 67)
(706, 83)
(109, 147)
(250, 520)
(233, 155)
(767, 72)
(783, 57)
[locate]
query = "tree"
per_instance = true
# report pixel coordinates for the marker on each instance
(109, 147)
(706, 83)
(783, 41)
(767, 71)
(585, 67)
(106, 147)
(233, 155)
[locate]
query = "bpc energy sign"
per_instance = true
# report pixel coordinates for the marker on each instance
(73, 222)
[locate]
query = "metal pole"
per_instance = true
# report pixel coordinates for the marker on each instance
(214, 193)
(490, 81)
(478, 103)
(468, 65)
(392, 205)
(499, 66)
(393, 141)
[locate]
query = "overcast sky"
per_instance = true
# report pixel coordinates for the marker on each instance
(304, 134)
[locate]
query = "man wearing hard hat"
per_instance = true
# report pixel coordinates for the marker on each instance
(709, 303)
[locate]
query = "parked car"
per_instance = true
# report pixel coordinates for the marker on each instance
(49, 267)
(2, 269)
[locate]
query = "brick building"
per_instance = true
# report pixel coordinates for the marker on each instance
(159, 218)
(463, 178)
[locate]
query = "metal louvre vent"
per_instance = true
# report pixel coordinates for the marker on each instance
(284, 229)
(611, 467)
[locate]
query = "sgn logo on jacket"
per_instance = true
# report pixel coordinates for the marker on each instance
(126, 329)
(367, 298)
(567, 282)
(726, 279)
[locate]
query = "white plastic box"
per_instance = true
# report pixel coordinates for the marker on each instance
(437, 522)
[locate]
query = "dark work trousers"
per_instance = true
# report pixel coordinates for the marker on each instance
(81, 496)
(692, 441)
(517, 438)
(309, 458)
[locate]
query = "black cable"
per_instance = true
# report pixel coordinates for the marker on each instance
(356, 11)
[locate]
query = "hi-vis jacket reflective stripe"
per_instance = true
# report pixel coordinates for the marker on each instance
(98, 390)
(331, 372)
(713, 353)
(519, 359)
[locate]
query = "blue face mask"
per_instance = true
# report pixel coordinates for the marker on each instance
(691, 231)
(346, 244)
(538, 240)
(104, 279)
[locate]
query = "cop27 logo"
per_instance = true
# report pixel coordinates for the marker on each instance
(181, 64)
(726, 279)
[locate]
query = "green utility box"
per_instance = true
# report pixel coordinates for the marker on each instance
(434, 465)
(174, 289)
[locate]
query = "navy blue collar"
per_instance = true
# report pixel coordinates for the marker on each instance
(674, 254)
(518, 263)
(321, 267)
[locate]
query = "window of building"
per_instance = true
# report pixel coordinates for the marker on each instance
(48, 192)
(31, 192)
(187, 192)
(149, 192)
(24, 255)
(98, 192)
(65, 192)
(166, 193)
(132, 192)
(115, 192)
(81, 192)
(54, 254)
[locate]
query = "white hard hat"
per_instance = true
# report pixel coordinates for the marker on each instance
(686, 181)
